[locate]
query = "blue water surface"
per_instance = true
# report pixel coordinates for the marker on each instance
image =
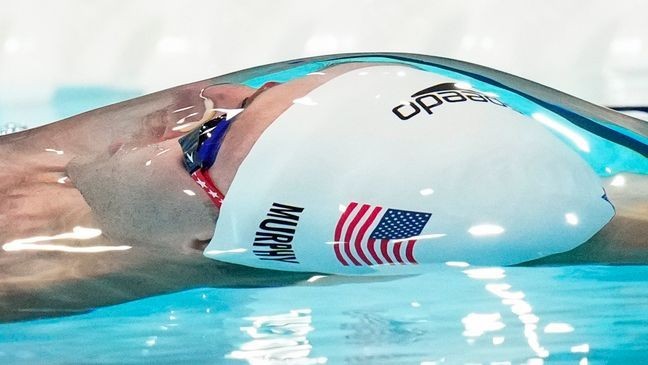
(451, 315)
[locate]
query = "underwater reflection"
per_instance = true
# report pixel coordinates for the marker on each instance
(78, 233)
(479, 324)
(278, 339)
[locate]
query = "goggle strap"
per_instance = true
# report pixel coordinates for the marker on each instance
(203, 179)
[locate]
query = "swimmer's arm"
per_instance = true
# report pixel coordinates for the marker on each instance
(143, 194)
(148, 119)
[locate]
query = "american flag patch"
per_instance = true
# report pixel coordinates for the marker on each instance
(372, 235)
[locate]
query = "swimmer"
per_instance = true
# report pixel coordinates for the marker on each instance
(306, 167)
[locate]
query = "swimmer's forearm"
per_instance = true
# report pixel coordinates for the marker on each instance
(140, 121)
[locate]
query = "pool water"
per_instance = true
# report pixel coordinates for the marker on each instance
(452, 315)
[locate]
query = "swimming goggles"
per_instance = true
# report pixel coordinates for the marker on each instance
(200, 148)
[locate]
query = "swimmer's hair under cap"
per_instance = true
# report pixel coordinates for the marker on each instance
(387, 168)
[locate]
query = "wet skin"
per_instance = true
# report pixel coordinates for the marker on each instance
(119, 169)
(101, 178)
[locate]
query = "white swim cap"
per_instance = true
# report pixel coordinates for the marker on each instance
(387, 168)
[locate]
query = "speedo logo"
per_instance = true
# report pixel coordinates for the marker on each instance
(436, 96)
